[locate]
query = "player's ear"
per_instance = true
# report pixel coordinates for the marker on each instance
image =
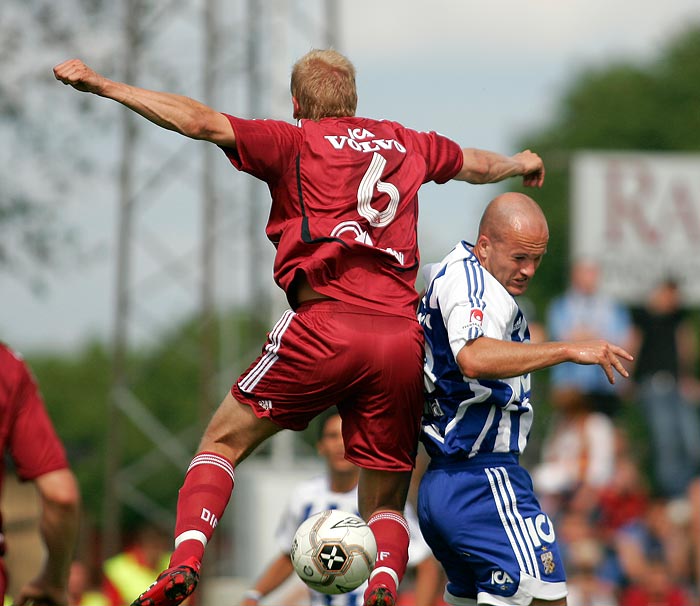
(482, 247)
(296, 107)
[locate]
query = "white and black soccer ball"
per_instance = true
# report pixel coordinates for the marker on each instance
(334, 551)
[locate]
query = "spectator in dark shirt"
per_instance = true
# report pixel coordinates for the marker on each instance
(663, 366)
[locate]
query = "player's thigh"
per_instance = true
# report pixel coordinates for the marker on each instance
(234, 430)
(382, 410)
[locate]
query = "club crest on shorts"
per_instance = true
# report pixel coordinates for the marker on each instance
(547, 559)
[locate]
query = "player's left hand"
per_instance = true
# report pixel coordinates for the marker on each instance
(606, 355)
(533, 168)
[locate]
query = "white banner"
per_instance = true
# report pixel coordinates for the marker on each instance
(638, 214)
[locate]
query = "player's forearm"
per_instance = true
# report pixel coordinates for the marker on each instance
(167, 110)
(59, 529)
(486, 358)
(481, 166)
(60, 541)
(275, 574)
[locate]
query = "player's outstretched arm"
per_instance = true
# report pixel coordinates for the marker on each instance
(274, 575)
(173, 112)
(488, 358)
(482, 166)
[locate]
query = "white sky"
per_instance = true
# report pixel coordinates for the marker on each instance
(480, 72)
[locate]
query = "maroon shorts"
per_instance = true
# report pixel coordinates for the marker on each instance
(368, 364)
(3, 580)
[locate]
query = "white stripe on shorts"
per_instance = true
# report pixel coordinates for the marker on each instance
(249, 382)
(521, 522)
(513, 522)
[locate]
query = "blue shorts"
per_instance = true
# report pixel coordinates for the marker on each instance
(482, 520)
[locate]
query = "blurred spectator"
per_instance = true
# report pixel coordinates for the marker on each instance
(662, 536)
(28, 436)
(128, 572)
(586, 587)
(583, 312)
(578, 456)
(694, 501)
(573, 528)
(655, 588)
(588, 560)
(624, 499)
(665, 346)
(82, 591)
(538, 333)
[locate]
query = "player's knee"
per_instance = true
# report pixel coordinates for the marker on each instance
(235, 431)
(369, 507)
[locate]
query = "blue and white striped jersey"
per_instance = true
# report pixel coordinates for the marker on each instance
(315, 495)
(464, 416)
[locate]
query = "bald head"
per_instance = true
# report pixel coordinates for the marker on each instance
(513, 236)
(512, 212)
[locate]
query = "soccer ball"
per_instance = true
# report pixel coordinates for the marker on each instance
(334, 551)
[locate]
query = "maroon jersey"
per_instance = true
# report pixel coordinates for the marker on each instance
(345, 202)
(26, 431)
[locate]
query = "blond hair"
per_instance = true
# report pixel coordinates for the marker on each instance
(323, 83)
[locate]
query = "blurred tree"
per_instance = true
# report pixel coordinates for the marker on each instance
(620, 106)
(38, 162)
(75, 390)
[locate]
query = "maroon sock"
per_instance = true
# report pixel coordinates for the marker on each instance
(200, 504)
(392, 535)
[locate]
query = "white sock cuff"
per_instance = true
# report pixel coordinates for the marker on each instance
(389, 515)
(390, 571)
(209, 458)
(191, 535)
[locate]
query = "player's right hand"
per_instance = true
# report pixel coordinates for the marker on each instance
(78, 75)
